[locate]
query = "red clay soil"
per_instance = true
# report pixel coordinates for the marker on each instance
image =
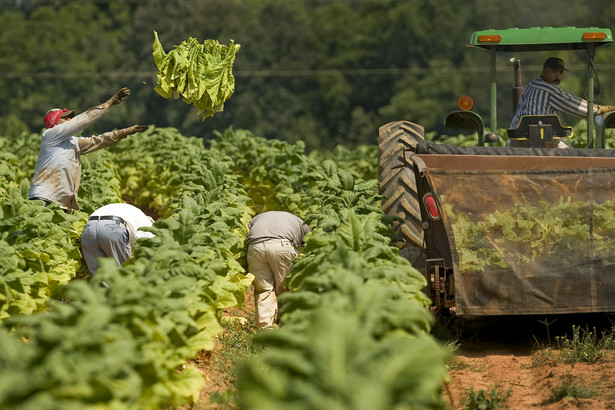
(506, 356)
(217, 378)
(490, 366)
(534, 376)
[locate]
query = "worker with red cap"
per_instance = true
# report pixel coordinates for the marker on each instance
(58, 169)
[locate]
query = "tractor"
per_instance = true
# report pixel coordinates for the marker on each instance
(522, 229)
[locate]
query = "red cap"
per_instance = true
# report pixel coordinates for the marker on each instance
(53, 115)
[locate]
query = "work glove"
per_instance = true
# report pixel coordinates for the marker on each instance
(119, 96)
(605, 108)
(124, 132)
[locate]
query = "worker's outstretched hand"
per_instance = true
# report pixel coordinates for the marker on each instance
(135, 128)
(119, 96)
(605, 108)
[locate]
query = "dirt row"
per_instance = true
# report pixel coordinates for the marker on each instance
(517, 360)
(509, 361)
(513, 372)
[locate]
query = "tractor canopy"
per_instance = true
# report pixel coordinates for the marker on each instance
(544, 39)
(541, 38)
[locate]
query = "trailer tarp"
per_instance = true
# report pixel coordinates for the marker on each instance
(529, 241)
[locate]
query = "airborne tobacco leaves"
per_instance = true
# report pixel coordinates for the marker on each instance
(200, 73)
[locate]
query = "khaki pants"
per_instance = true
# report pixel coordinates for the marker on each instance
(270, 262)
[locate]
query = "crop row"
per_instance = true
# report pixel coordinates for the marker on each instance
(356, 326)
(354, 321)
(126, 346)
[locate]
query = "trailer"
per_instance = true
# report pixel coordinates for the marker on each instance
(518, 230)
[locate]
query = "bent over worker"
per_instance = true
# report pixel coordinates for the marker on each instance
(112, 232)
(58, 170)
(273, 240)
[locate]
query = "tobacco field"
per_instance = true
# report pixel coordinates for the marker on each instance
(356, 327)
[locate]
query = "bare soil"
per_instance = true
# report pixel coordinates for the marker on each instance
(515, 358)
(511, 357)
(217, 367)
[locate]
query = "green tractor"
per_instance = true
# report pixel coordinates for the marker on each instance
(518, 230)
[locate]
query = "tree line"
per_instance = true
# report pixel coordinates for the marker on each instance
(326, 72)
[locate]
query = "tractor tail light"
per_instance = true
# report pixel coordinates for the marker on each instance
(432, 206)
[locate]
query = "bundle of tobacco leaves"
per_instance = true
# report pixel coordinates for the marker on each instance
(200, 73)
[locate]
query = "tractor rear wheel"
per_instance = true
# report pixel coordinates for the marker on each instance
(398, 186)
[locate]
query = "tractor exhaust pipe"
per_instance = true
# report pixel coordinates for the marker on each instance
(518, 87)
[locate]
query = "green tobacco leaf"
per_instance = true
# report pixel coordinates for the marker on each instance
(201, 74)
(187, 384)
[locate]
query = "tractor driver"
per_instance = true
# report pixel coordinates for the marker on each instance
(543, 96)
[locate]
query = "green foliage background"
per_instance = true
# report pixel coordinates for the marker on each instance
(325, 72)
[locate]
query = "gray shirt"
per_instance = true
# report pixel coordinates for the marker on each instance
(58, 170)
(277, 225)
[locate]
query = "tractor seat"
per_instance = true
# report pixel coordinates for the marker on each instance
(540, 131)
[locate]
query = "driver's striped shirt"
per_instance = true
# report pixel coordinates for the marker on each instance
(542, 98)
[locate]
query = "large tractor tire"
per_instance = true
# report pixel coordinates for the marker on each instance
(398, 186)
